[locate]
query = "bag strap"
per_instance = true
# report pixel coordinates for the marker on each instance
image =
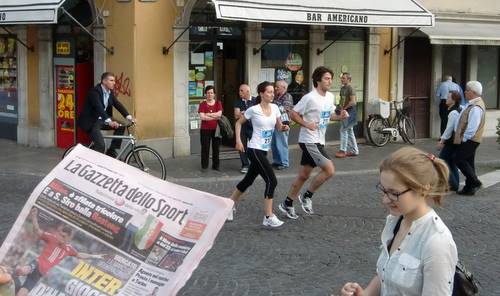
(395, 231)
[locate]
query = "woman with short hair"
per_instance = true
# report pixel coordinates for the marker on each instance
(210, 111)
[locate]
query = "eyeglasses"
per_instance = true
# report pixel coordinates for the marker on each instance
(394, 196)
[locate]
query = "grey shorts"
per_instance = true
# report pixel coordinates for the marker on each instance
(313, 155)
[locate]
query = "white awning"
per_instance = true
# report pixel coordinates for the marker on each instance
(361, 13)
(14, 12)
(464, 33)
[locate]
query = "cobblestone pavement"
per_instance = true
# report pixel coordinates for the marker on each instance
(316, 254)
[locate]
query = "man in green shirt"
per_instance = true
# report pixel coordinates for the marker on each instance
(348, 145)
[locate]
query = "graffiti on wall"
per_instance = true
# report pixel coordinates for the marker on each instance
(123, 85)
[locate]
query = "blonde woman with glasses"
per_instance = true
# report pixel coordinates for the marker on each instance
(418, 255)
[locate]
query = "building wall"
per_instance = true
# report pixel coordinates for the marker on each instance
(465, 8)
(120, 34)
(138, 31)
(154, 70)
(384, 76)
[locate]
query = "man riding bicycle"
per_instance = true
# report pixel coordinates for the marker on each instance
(97, 114)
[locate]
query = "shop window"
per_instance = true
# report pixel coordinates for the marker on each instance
(487, 74)
(286, 60)
(454, 61)
(347, 57)
(201, 75)
(8, 87)
(284, 32)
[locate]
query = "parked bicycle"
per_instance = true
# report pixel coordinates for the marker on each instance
(140, 156)
(382, 127)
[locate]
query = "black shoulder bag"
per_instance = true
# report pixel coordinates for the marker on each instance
(464, 283)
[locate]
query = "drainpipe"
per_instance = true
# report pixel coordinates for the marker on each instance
(393, 82)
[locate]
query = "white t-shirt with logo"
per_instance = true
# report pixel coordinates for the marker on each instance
(315, 108)
(263, 126)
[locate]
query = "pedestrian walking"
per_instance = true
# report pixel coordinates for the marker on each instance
(468, 135)
(279, 143)
(442, 94)
(313, 112)
(418, 255)
(210, 111)
(348, 144)
(445, 145)
(265, 118)
(244, 101)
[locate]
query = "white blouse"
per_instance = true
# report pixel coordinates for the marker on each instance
(424, 263)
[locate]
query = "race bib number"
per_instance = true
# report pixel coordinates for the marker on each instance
(325, 118)
(267, 137)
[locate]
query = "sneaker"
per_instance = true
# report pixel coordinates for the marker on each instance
(288, 211)
(230, 217)
(306, 204)
(244, 170)
(272, 221)
(351, 154)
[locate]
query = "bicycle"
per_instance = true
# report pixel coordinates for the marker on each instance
(382, 127)
(139, 156)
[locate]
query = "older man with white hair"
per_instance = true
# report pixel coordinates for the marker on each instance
(468, 135)
(279, 143)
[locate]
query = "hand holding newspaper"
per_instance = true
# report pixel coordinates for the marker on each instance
(96, 226)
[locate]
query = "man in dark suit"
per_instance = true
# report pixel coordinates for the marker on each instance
(97, 114)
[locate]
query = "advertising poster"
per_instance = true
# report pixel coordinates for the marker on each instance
(65, 105)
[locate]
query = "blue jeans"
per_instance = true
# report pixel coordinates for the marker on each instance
(279, 147)
(448, 155)
(347, 139)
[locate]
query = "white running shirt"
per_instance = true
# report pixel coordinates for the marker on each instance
(315, 108)
(263, 126)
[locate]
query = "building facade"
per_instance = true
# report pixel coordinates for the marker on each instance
(464, 43)
(164, 53)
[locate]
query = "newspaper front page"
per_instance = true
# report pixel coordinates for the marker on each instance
(96, 226)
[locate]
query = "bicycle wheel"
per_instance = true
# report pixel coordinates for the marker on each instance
(407, 129)
(375, 133)
(68, 150)
(147, 160)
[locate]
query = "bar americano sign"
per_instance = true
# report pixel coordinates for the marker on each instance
(336, 18)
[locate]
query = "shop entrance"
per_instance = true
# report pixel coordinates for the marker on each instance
(417, 82)
(73, 73)
(216, 57)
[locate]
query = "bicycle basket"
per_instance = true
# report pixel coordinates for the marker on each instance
(384, 108)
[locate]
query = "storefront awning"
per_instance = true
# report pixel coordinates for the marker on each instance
(13, 12)
(361, 13)
(464, 33)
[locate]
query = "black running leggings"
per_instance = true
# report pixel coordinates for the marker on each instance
(259, 165)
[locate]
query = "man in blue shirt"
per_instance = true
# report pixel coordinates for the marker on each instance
(469, 131)
(442, 94)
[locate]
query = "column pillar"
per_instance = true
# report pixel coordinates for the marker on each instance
(472, 62)
(23, 130)
(372, 94)
(316, 41)
(437, 77)
(99, 53)
(253, 40)
(181, 116)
